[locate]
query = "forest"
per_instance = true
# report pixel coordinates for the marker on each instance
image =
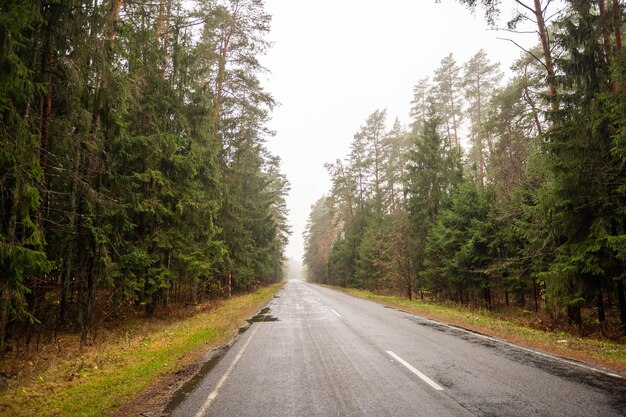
(133, 168)
(501, 191)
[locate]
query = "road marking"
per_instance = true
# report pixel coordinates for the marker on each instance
(513, 345)
(415, 371)
(580, 365)
(338, 315)
(224, 377)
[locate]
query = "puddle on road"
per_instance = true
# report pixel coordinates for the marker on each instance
(565, 368)
(189, 386)
(262, 316)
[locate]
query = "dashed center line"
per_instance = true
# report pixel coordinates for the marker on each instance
(338, 315)
(415, 371)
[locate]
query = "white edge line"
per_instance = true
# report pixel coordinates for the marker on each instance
(415, 371)
(338, 315)
(224, 377)
(547, 355)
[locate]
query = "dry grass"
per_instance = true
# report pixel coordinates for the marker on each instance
(62, 381)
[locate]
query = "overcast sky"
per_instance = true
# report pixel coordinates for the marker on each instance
(334, 62)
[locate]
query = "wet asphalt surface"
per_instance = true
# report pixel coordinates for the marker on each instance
(318, 352)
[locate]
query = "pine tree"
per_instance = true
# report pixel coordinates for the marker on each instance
(429, 179)
(120, 150)
(419, 104)
(538, 12)
(460, 246)
(447, 93)
(585, 197)
(395, 150)
(22, 242)
(480, 79)
(319, 236)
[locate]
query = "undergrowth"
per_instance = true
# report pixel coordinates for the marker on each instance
(62, 380)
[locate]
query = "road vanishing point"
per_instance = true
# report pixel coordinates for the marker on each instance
(318, 352)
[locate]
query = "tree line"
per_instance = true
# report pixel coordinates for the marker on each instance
(497, 193)
(133, 170)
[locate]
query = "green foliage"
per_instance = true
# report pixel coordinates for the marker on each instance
(461, 244)
(21, 237)
(538, 214)
(584, 197)
(373, 257)
(318, 240)
(432, 174)
(127, 172)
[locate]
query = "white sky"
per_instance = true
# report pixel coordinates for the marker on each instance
(334, 62)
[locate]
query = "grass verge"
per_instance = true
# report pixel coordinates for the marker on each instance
(604, 354)
(106, 376)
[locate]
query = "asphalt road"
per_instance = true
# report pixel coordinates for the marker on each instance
(318, 352)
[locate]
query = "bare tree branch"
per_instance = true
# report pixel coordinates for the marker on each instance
(529, 19)
(558, 12)
(525, 50)
(514, 31)
(525, 6)
(546, 7)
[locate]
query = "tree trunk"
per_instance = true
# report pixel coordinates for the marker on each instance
(547, 53)
(617, 16)
(574, 316)
(605, 32)
(46, 117)
(488, 298)
(5, 302)
(65, 280)
(47, 63)
(534, 110)
(104, 79)
(535, 295)
(600, 305)
(621, 302)
(67, 273)
(454, 124)
(221, 76)
(409, 289)
(159, 23)
(165, 38)
(481, 150)
(91, 284)
(7, 288)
